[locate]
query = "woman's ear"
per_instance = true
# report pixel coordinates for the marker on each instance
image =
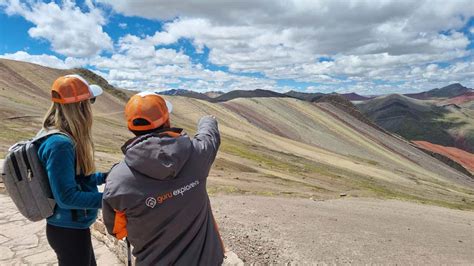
(82, 106)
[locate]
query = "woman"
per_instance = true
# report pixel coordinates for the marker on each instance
(68, 159)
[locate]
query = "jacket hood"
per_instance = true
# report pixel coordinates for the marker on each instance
(158, 155)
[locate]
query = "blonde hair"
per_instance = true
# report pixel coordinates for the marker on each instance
(75, 119)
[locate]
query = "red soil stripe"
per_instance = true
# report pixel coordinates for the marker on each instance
(464, 158)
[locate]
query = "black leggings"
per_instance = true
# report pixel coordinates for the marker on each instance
(72, 246)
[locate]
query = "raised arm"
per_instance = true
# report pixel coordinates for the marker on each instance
(207, 139)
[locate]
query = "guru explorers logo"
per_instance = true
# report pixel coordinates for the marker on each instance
(151, 201)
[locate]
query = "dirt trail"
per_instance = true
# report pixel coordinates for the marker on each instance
(350, 230)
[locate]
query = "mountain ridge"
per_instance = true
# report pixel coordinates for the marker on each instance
(275, 146)
(449, 91)
(448, 125)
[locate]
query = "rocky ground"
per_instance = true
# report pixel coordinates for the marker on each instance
(24, 243)
(284, 230)
(350, 230)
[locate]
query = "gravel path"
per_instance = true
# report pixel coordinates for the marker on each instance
(350, 230)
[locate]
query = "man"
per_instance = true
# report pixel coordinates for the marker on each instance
(157, 196)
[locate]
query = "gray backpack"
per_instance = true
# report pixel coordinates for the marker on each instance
(26, 180)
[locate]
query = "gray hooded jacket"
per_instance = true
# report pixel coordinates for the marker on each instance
(158, 197)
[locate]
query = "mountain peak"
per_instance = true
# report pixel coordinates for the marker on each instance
(185, 93)
(452, 90)
(454, 85)
(352, 96)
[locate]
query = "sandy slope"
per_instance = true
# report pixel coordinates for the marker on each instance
(359, 231)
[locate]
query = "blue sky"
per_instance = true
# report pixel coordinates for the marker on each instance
(368, 47)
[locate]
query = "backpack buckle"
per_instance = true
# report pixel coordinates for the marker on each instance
(16, 145)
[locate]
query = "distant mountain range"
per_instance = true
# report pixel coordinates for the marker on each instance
(446, 119)
(248, 94)
(450, 91)
(461, 99)
(218, 96)
(304, 95)
(449, 125)
(355, 97)
(186, 93)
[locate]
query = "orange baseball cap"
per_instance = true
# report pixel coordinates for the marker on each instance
(149, 107)
(73, 89)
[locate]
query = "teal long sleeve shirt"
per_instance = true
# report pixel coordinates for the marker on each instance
(77, 197)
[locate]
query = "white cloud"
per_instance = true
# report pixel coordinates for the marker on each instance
(139, 65)
(247, 49)
(46, 60)
(324, 26)
(70, 31)
(366, 39)
(135, 54)
(406, 44)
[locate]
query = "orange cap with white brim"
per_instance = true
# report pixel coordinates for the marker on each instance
(73, 89)
(148, 106)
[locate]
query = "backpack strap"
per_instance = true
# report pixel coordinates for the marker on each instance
(45, 132)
